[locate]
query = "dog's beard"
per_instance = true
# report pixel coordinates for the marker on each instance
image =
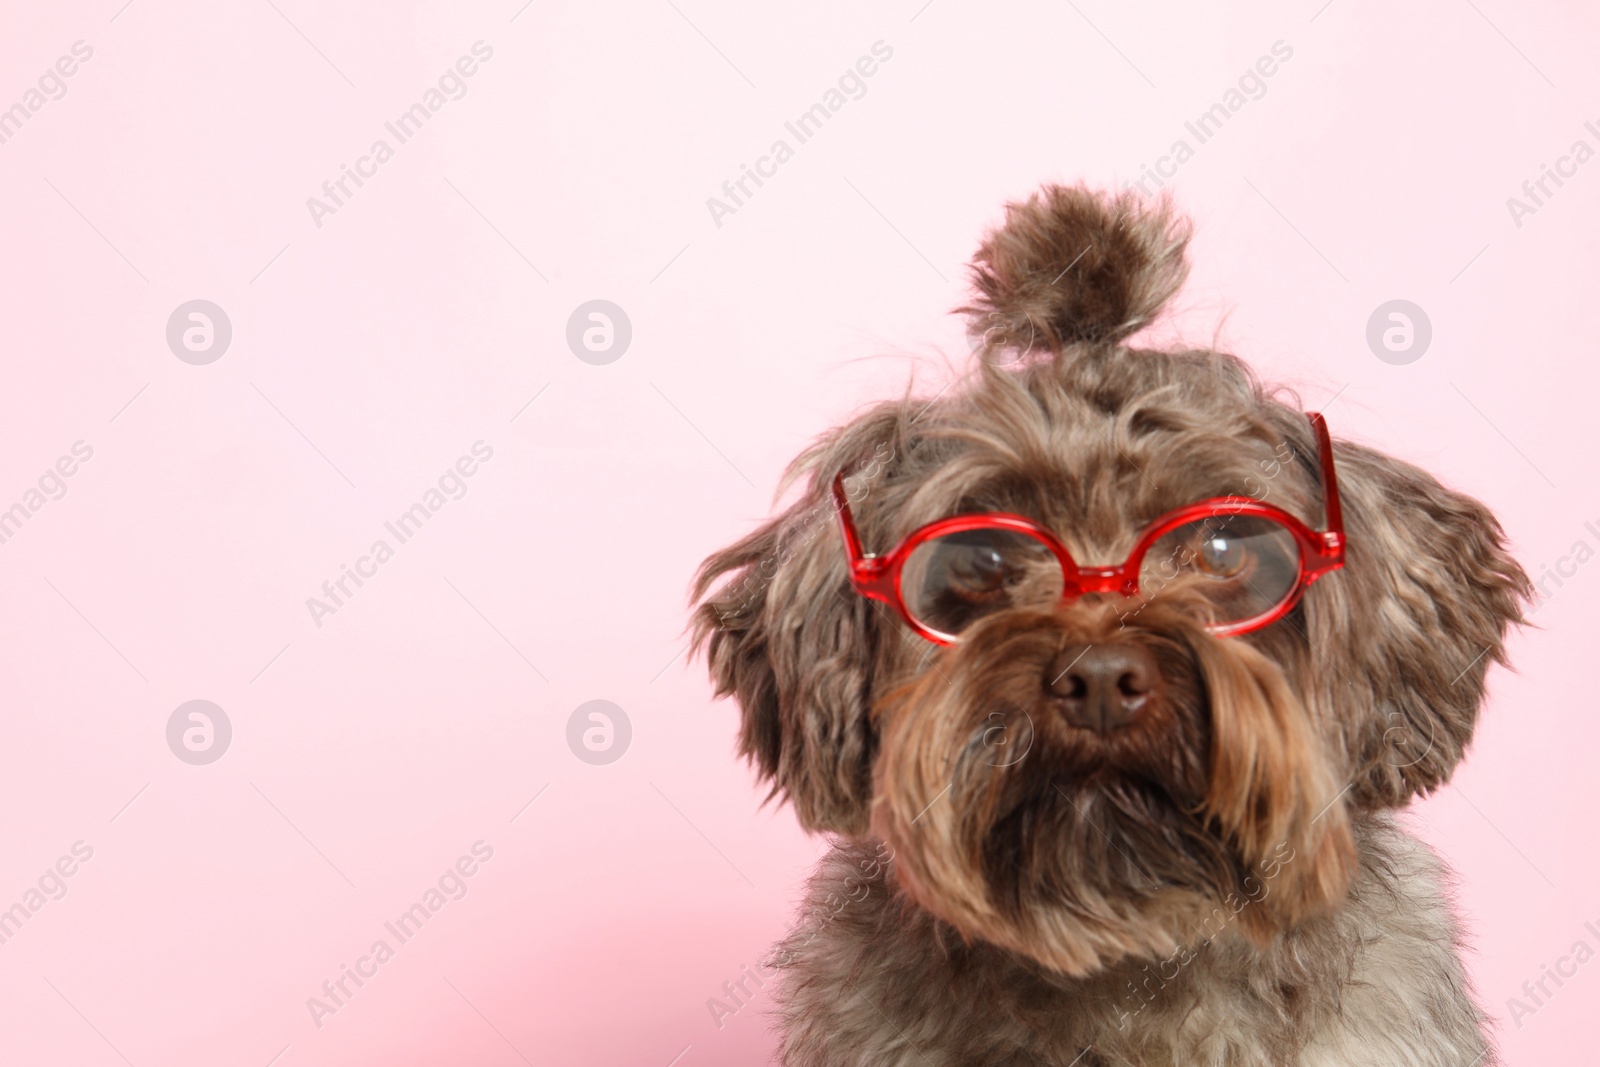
(1078, 848)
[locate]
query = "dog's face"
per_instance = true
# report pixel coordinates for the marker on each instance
(1086, 779)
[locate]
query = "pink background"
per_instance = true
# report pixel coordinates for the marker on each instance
(372, 351)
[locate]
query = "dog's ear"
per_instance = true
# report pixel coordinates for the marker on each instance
(787, 636)
(1407, 630)
(1070, 266)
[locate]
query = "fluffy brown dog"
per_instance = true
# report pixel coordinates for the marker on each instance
(1096, 813)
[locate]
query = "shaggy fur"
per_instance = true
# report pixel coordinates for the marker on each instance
(1216, 882)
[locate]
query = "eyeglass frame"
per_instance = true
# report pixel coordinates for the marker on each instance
(877, 577)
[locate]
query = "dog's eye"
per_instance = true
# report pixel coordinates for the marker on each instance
(1245, 565)
(952, 580)
(1221, 556)
(982, 571)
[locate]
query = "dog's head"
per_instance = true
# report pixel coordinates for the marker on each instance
(1078, 762)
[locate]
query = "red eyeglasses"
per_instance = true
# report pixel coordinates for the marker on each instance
(1253, 561)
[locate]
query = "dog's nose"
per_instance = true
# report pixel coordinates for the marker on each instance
(1102, 687)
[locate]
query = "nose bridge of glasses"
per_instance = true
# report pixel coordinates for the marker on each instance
(1099, 580)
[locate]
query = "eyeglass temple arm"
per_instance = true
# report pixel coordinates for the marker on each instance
(866, 572)
(847, 523)
(1330, 485)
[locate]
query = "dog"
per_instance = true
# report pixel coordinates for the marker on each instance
(1105, 670)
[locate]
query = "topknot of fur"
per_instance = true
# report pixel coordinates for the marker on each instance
(1072, 266)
